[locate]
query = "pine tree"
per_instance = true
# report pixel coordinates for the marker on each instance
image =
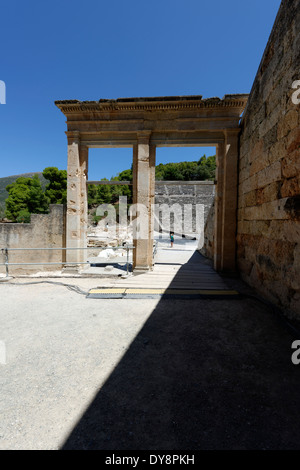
(25, 196)
(56, 189)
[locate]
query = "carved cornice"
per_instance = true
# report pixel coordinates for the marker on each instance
(152, 104)
(73, 137)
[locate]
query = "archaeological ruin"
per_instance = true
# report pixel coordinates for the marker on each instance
(253, 227)
(144, 124)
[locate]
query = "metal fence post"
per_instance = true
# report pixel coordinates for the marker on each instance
(127, 258)
(6, 261)
(5, 252)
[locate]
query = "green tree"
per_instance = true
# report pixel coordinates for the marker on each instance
(159, 172)
(126, 190)
(103, 193)
(116, 190)
(92, 195)
(56, 189)
(125, 175)
(2, 210)
(23, 217)
(206, 168)
(25, 194)
(172, 172)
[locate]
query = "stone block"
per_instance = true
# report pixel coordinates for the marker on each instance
(244, 173)
(259, 163)
(259, 227)
(269, 174)
(268, 193)
(270, 138)
(256, 150)
(244, 147)
(291, 187)
(250, 199)
(251, 183)
(295, 306)
(270, 120)
(277, 151)
(293, 139)
(285, 230)
(288, 123)
(274, 210)
(291, 164)
(274, 100)
(244, 266)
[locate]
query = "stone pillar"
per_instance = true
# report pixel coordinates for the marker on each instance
(143, 198)
(226, 204)
(152, 160)
(76, 224)
(218, 223)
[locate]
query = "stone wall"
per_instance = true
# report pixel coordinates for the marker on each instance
(45, 230)
(177, 193)
(269, 170)
(207, 249)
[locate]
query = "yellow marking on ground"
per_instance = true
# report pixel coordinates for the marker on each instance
(108, 291)
(141, 290)
(183, 291)
(144, 291)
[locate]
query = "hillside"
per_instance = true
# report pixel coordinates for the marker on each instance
(10, 179)
(203, 169)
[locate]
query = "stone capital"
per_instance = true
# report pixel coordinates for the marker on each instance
(232, 133)
(73, 137)
(143, 137)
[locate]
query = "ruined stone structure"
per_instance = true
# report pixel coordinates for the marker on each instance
(254, 223)
(207, 247)
(144, 124)
(185, 192)
(269, 169)
(178, 196)
(44, 231)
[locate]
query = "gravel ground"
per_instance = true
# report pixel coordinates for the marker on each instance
(143, 374)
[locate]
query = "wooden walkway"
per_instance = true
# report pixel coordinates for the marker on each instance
(174, 269)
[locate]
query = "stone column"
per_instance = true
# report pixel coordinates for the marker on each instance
(226, 204)
(76, 224)
(143, 198)
(230, 202)
(218, 223)
(152, 160)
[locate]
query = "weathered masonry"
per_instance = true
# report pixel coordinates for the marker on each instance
(269, 170)
(144, 124)
(181, 197)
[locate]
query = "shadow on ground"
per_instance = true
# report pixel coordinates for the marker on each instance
(201, 374)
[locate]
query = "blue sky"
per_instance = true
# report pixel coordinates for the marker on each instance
(91, 49)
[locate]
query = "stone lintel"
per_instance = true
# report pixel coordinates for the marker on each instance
(152, 104)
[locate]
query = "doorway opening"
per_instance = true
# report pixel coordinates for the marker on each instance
(109, 199)
(184, 198)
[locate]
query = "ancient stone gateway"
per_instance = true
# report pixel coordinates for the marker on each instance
(144, 124)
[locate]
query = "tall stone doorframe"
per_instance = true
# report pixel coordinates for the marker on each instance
(144, 124)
